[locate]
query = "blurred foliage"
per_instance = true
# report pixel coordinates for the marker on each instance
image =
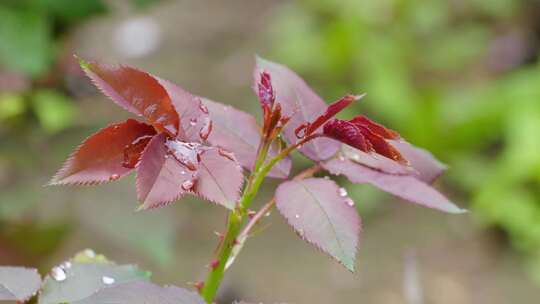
(38, 86)
(460, 78)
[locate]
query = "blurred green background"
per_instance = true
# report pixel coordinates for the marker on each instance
(460, 78)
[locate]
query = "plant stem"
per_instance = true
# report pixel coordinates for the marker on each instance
(237, 217)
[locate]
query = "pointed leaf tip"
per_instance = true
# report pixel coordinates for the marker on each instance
(322, 214)
(100, 157)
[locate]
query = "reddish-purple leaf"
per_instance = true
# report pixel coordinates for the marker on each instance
(322, 214)
(331, 111)
(101, 156)
(407, 187)
(219, 177)
(238, 132)
(300, 103)
(137, 92)
(18, 283)
(265, 91)
(361, 138)
(347, 133)
(374, 127)
(195, 122)
(141, 292)
(161, 178)
(427, 166)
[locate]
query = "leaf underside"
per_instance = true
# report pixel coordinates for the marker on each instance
(322, 216)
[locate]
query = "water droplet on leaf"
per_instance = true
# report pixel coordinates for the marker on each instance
(193, 121)
(188, 185)
(114, 177)
(349, 201)
(107, 280)
(297, 216)
(226, 154)
(342, 192)
(206, 129)
(58, 274)
(90, 253)
(66, 265)
(203, 108)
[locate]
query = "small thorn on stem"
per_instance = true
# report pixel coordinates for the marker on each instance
(251, 213)
(219, 235)
(236, 242)
(214, 264)
(198, 285)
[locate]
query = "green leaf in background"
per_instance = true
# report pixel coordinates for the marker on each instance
(54, 110)
(85, 275)
(11, 105)
(69, 10)
(461, 80)
(26, 41)
(111, 216)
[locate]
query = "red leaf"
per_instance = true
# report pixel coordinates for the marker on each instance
(220, 177)
(265, 91)
(322, 214)
(375, 127)
(427, 166)
(195, 122)
(238, 132)
(301, 104)
(161, 178)
(381, 146)
(137, 92)
(347, 133)
(407, 187)
(362, 138)
(331, 111)
(100, 157)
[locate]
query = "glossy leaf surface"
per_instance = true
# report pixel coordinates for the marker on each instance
(100, 157)
(137, 92)
(321, 213)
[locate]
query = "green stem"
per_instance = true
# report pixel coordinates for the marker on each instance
(237, 217)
